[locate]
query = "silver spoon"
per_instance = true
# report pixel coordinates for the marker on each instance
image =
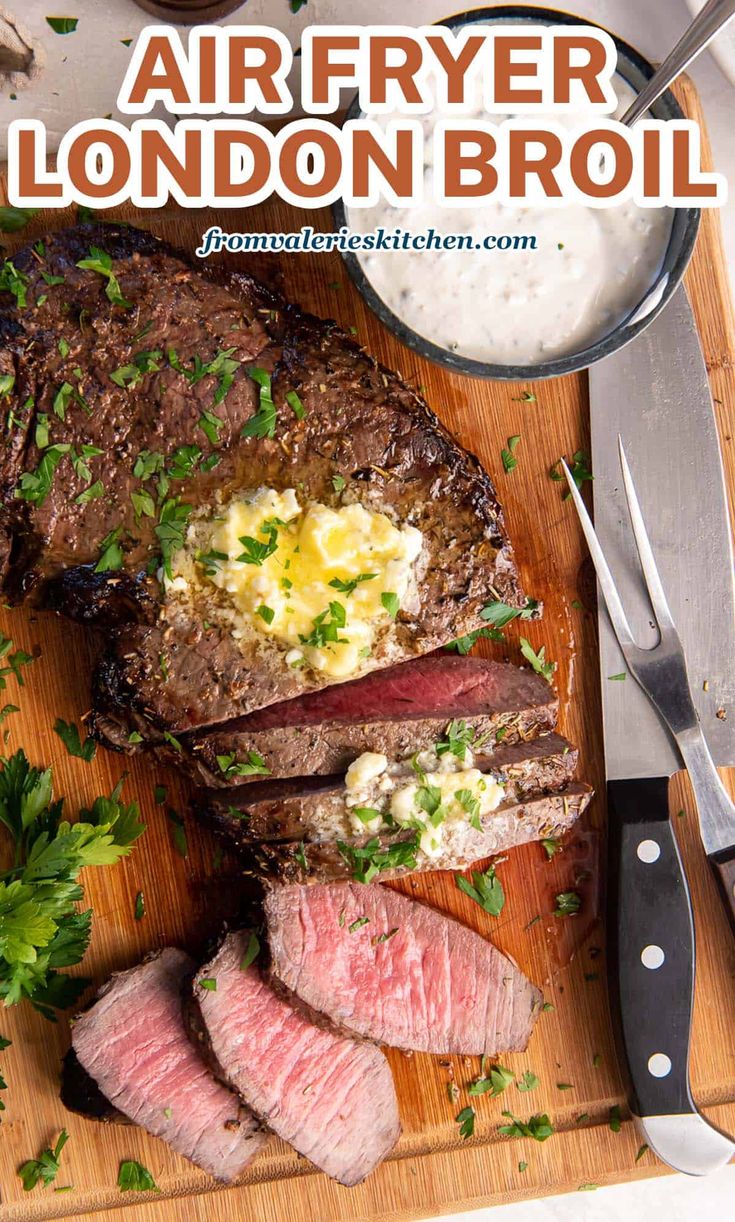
(713, 17)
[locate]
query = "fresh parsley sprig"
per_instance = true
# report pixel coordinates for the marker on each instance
(41, 929)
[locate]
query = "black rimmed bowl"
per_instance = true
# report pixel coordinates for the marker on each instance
(636, 71)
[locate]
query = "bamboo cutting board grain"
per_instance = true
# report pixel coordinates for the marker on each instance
(432, 1170)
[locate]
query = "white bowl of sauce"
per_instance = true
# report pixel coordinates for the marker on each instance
(596, 278)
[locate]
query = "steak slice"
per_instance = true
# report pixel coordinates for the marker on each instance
(331, 1097)
(314, 807)
(133, 1045)
(144, 325)
(398, 711)
(430, 985)
(316, 861)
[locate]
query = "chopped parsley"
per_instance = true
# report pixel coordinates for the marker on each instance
(12, 220)
(111, 554)
(15, 658)
(45, 1168)
(100, 262)
(171, 530)
(92, 493)
(498, 614)
(69, 735)
(130, 376)
(537, 660)
(63, 25)
(485, 889)
(295, 404)
(373, 858)
(210, 424)
(358, 924)
(528, 1082)
(349, 585)
(339, 483)
(64, 397)
(266, 613)
(139, 906)
(177, 828)
(551, 845)
(254, 550)
(134, 1177)
(209, 983)
(614, 1120)
(391, 603)
(251, 952)
(579, 469)
(510, 462)
(385, 937)
(326, 630)
(466, 1121)
(538, 1127)
(263, 422)
(494, 1083)
(254, 765)
(14, 282)
(460, 737)
(568, 903)
(35, 485)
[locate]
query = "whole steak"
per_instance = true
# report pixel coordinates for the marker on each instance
(126, 374)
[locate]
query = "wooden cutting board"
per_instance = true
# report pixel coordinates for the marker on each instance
(433, 1170)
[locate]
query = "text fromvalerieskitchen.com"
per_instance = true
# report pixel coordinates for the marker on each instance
(525, 78)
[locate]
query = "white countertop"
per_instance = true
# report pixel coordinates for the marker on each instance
(80, 80)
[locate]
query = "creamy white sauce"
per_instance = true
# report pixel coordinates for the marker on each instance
(516, 307)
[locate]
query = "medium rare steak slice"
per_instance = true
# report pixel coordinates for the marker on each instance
(398, 711)
(133, 1044)
(331, 1097)
(150, 398)
(429, 985)
(316, 808)
(365, 858)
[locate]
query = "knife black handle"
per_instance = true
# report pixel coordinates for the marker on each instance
(652, 946)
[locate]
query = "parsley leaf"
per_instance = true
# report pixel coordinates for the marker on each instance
(510, 462)
(63, 25)
(537, 660)
(12, 220)
(485, 889)
(99, 261)
(111, 555)
(579, 469)
(69, 735)
(391, 602)
(539, 1127)
(134, 1177)
(251, 952)
(263, 423)
(45, 1168)
(369, 860)
(171, 530)
(567, 903)
(494, 1083)
(499, 613)
(254, 765)
(466, 1121)
(35, 485)
(41, 929)
(350, 584)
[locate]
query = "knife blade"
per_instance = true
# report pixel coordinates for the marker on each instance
(655, 394)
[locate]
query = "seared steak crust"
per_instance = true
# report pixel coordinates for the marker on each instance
(361, 423)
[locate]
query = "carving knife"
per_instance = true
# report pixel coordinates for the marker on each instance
(655, 394)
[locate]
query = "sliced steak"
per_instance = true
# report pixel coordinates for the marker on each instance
(429, 985)
(390, 856)
(133, 1044)
(315, 808)
(85, 536)
(398, 711)
(330, 1097)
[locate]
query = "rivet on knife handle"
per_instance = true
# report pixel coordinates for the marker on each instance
(652, 957)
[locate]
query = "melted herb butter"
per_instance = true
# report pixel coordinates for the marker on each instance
(440, 793)
(322, 582)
